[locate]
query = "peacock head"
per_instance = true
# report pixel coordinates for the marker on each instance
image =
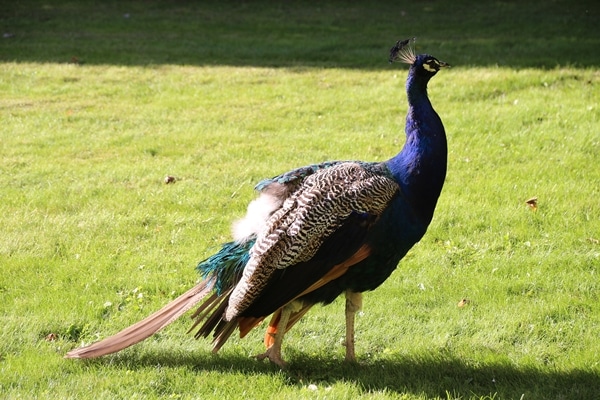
(422, 64)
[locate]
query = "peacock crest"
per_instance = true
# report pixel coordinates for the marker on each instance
(403, 51)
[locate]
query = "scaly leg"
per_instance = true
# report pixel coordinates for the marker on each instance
(353, 304)
(273, 353)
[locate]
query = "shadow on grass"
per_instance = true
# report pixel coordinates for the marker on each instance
(431, 375)
(342, 34)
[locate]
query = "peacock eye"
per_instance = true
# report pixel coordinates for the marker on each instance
(430, 65)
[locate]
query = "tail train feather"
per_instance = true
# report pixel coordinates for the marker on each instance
(212, 312)
(146, 327)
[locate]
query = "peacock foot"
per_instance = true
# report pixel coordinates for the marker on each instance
(350, 355)
(274, 355)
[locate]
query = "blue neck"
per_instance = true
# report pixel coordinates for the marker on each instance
(420, 168)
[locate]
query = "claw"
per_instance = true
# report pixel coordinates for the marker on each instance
(274, 355)
(275, 335)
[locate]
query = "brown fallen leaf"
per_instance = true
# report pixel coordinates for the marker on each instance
(51, 337)
(532, 203)
(463, 302)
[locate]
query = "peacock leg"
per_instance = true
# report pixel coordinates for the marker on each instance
(273, 353)
(353, 304)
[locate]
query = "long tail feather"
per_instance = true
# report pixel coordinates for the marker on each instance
(212, 313)
(146, 327)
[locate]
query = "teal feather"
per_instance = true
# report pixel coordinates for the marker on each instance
(226, 266)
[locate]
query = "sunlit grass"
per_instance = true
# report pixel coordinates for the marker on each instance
(93, 239)
(99, 102)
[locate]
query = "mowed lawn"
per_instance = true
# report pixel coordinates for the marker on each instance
(99, 103)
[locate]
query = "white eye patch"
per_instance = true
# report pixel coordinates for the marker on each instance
(429, 68)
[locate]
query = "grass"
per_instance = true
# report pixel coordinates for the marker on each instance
(221, 96)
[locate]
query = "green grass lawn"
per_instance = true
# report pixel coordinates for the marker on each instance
(100, 102)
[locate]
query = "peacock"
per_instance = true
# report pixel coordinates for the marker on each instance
(314, 233)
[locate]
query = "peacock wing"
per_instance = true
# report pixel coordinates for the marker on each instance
(325, 202)
(296, 176)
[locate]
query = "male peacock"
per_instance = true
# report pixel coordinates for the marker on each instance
(315, 233)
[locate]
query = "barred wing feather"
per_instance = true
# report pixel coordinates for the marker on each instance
(314, 211)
